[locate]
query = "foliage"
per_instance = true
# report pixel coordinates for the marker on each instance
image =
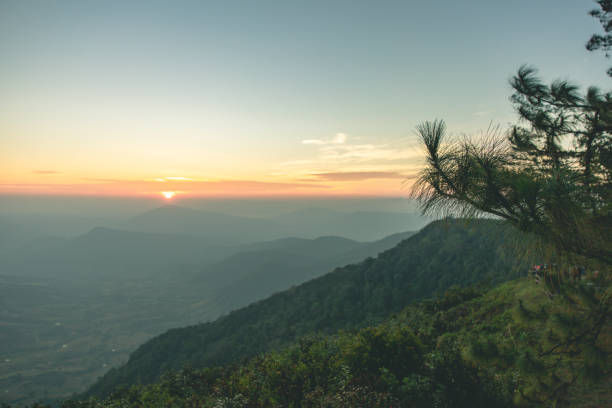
(598, 41)
(467, 348)
(390, 364)
(551, 177)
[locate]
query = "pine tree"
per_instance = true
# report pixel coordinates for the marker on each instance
(550, 176)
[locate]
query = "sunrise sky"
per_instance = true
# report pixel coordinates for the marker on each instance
(235, 98)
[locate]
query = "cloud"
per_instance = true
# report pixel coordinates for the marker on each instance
(339, 138)
(178, 178)
(369, 153)
(313, 142)
(45, 172)
(359, 175)
(339, 161)
(336, 150)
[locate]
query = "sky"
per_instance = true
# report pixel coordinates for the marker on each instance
(262, 98)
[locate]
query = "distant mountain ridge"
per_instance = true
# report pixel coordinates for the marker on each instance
(105, 252)
(270, 267)
(128, 286)
(163, 238)
(443, 254)
(306, 223)
(357, 225)
(218, 228)
(298, 244)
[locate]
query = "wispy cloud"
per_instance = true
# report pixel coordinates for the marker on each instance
(359, 175)
(339, 151)
(339, 138)
(313, 142)
(179, 178)
(45, 172)
(369, 152)
(337, 161)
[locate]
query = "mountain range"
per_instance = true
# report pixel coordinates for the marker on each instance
(443, 254)
(70, 307)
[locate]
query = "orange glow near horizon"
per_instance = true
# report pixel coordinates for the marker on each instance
(336, 184)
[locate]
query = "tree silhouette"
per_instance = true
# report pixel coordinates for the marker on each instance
(598, 41)
(551, 176)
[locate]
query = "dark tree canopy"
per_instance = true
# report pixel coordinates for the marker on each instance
(551, 176)
(599, 41)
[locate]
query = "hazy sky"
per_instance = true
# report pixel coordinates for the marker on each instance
(261, 97)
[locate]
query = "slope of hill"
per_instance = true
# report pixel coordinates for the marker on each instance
(321, 245)
(442, 254)
(464, 349)
(327, 245)
(278, 265)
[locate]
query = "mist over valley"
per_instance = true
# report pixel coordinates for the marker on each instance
(80, 293)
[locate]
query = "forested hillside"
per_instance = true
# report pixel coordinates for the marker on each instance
(443, 254)
(467, 348)
(269, 267)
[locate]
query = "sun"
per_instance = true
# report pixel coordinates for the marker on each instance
(168, 194)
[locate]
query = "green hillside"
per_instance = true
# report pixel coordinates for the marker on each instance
(464, 349)
(443, 254)
(269, 267)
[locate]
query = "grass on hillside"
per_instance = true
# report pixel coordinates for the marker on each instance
(464, 349)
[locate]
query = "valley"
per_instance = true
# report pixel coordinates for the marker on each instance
(71, 308)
